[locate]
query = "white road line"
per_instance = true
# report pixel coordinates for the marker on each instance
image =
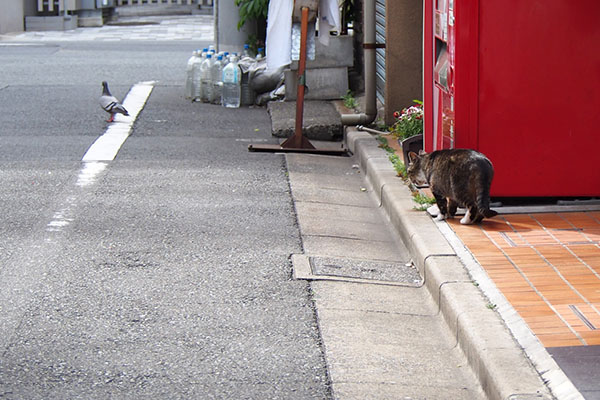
(89, 172)
(106, 147)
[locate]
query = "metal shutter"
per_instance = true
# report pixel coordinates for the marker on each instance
(380, 53)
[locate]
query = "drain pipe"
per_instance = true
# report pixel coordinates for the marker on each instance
(373, 131)
(369, 46)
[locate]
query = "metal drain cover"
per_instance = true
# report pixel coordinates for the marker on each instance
(346, 269)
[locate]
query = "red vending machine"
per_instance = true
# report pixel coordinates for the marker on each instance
(518, 80)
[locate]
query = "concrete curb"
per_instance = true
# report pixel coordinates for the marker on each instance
(499, 363)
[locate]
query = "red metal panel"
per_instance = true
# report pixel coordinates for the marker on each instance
(428, 58)
(466, 72)
(539, 96)
(525, 80)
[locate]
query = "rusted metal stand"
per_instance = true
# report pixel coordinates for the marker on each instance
(298, 143)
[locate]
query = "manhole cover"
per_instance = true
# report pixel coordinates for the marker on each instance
(367, 270)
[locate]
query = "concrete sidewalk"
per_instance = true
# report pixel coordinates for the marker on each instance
(382, 332)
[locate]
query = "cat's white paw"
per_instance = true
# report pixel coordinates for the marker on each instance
(433, 210)
(440, 217)
(466, 220)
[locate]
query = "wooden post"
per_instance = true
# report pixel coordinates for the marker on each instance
(298, 140)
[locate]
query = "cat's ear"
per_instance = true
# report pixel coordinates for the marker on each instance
(412, 156)
(422, 152)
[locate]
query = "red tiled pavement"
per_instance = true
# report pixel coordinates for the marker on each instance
(547, 265)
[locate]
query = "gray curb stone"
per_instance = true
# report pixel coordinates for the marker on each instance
(500, 364)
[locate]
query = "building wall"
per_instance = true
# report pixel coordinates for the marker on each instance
(11, 16)
(227, 36)
(404, 55)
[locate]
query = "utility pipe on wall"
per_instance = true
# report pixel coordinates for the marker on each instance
(369, 45)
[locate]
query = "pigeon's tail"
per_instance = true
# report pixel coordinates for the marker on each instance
(115, 108)
(118, 108)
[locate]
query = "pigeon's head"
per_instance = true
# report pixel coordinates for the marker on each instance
(104, 84)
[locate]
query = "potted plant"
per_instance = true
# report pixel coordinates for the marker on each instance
(408, 129)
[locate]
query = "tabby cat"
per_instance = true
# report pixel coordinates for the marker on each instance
(457, 178)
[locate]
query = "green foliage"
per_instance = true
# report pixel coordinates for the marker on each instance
(251, 9)
(394, 159)
(423, 201)
(349, 100)
(383, 143)
(254, 43)
(398, 165)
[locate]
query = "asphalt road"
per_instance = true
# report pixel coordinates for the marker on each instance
(168, 275)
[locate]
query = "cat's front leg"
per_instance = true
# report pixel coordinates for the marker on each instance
(442, 206)
(466, 220)
(471, 216)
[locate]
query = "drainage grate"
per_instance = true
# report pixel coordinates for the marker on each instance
(367, 271)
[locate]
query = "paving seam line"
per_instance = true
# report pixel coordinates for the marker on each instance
(489, 346)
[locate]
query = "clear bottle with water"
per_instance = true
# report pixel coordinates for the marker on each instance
(261, 54)
(189, 75)
(246, 51)
(197, 78)
(217, 80)
(205, 78)
(232, 89)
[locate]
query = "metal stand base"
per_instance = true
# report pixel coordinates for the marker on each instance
(275, 148)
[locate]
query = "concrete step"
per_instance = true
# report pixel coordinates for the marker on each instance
(321, 120)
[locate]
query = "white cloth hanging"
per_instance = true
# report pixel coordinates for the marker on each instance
(279, 33)
(279, 29)
(329, 19)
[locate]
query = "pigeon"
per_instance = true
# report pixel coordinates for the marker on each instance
(110, 104)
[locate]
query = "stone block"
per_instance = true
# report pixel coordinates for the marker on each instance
(90, 18)
(322, 83)
(339, 53)
(52, 23)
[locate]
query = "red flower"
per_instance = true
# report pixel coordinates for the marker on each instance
(396, 114)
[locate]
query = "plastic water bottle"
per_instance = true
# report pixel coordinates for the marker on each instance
(246, 52)
(232, 89)
(205, 78)
(197, 78)
(217, 80)
(260, 55)
(188, 75)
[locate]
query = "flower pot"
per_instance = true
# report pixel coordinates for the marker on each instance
(413, 143)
